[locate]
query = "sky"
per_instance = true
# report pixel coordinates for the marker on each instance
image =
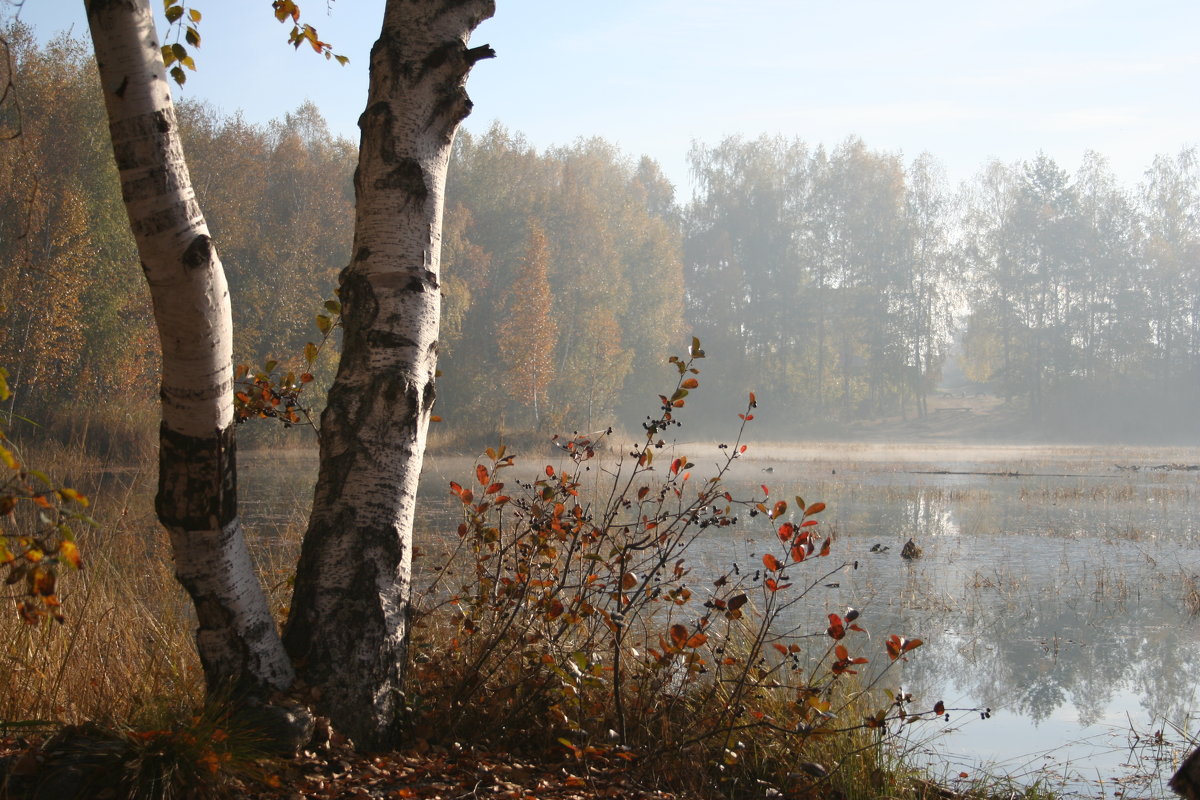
(966, 81)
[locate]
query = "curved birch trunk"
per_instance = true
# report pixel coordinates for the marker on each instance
(349, 616)
(238, 643)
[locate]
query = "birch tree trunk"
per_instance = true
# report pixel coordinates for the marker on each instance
(349, 616)
(237, 640)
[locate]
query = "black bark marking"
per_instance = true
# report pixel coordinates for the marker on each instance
(197, 480)
(363, 254)
(359, 306)
(438, 56)
(120, 90)
(380, 114)
(198, 253)
(428, 396)
(406, 176)
(423, 282)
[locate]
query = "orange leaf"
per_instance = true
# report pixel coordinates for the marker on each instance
(679, 635)
(697, 640)
(815, 508)
(690, 383)
(779, 509)
(481, 474)
(770, 562)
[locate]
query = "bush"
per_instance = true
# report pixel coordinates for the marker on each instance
(568, 618)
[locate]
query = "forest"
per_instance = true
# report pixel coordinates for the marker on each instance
(841, 283)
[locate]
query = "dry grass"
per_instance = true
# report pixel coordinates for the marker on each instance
(126, 645)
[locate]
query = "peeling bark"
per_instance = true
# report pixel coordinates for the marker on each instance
(349, 618)
(197, 498)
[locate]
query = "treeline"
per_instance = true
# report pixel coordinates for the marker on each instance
(839, 284)
(841, 281)
(78, 338)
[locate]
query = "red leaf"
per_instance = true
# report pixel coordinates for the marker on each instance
(836, 629)
(753, 401)
(780, 648)
(770, 562)
(786, 531)
(815, 508)
(779, 510)
(939, 708)
(841, 652)
(549, 471)
(481, 474)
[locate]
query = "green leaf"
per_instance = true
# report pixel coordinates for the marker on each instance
(168, 55)
(194, 14)
(333, 306)
(187, 62)
(174, 13)
(270, 366)
(179, 50)
(342, 60)
(324, 323)
(192, 36)
(177, 74)
(310, 352)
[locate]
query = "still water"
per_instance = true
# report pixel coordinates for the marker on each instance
(1058, 587)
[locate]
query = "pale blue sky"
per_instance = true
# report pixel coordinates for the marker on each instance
(967, 81)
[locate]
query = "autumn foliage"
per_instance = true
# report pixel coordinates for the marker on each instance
(568, 615)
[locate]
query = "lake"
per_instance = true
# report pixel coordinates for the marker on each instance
(1058, 587)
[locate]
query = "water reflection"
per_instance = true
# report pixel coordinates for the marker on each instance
(1054, 596)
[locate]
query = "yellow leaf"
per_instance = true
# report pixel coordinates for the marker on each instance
(69, 553)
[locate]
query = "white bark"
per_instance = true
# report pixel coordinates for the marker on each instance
(197, 502)
(348, 625)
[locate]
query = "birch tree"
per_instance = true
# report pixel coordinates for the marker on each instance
(348, 625)
(237, 640)
(349, 617)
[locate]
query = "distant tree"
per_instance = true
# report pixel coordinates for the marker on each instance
(528, 335)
